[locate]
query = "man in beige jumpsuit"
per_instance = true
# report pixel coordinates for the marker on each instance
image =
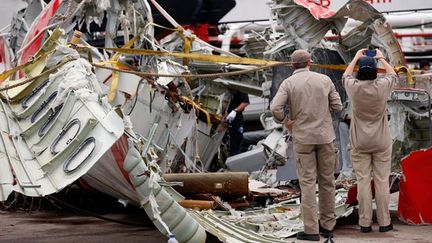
(370, 139)
(310, 98)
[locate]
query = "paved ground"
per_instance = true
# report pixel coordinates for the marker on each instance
(62, 226)
(52, 227)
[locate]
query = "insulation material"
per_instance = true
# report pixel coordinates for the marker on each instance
(103, 4)
(62, 53)
(415, 197)
(397, 122)
(74, 75)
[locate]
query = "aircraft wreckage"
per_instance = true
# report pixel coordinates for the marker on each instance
(126, 121)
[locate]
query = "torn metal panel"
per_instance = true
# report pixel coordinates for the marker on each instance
(302, 29)
(230, 232)
(276, 145)
(262, 188)
(423, 81)
(68, 132)
(390, 43)
(21, 22)
(242, 87)
(288, 171)
(109, 177)
(166, 213)
(415, 199)
(178, 130)
(249, 161)
(410, 122)
(35, 34)
(6, 55)
(373, 29)
(273, 224)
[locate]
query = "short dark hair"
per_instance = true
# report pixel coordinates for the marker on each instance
(300, 65)
(367, 74)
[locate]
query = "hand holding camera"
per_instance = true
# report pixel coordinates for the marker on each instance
(379, 55)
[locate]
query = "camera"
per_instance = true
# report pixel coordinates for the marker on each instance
(370, 52)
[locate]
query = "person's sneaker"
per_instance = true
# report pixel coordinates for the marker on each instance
(326, 233)
(311, 237)
(386, 228)
(365, 229)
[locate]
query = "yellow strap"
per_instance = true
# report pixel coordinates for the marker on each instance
(47, 49)
(336, 67)
(195, 56)
(113, 63)
(115, 75)
(7, 73)
(410, 79)
(128, 45)
(198, 107)
(51, 43)
(186, 48)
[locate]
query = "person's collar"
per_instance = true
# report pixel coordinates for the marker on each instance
(301, 70)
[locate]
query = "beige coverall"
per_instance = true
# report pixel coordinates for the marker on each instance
(310, 97)
(371, 144)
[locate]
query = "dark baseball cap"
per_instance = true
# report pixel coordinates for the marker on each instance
(366, 63)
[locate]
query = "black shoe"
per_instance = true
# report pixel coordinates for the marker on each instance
(311, 237)
(326, 233)
(386, 228)
(366, 229)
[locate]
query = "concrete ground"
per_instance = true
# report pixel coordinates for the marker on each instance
(61, 226)
(52, 227)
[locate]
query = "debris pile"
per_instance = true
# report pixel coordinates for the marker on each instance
(143, 122)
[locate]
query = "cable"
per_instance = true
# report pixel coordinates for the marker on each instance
(207, 75)
(96, 215)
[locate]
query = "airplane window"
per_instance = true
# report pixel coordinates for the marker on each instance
(43, 107)
(51, 118)
(34, 95)
(80, 155)
(66, 136)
